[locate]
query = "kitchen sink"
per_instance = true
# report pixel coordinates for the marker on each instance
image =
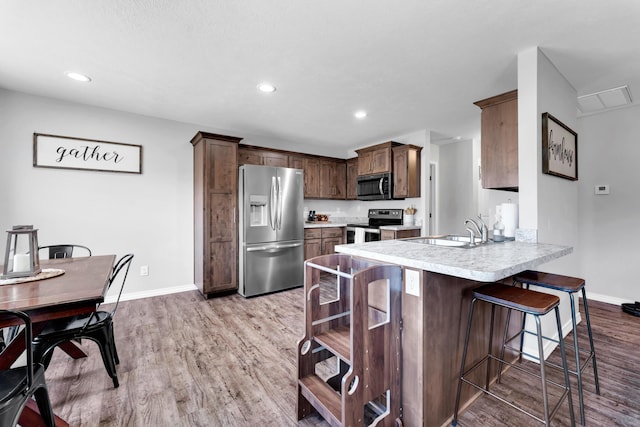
(449, 240)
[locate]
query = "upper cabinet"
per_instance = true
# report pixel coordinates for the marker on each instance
(375, 159)
(406, 171)
(248, 155)
(352, 181)
(499, 141)
(333, 179)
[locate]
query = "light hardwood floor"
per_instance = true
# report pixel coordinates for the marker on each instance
(231, 361)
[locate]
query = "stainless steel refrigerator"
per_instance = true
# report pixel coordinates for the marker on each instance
(271, 229)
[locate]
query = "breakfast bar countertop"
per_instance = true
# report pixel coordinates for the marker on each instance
(486, 263)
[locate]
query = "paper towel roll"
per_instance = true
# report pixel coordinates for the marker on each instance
(509, 219)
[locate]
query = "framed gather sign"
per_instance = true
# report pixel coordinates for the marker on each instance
(65, 152)
(559, 149)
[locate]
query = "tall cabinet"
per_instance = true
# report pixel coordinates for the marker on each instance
(215, 184)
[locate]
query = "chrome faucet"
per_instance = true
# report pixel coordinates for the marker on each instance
(480, 226)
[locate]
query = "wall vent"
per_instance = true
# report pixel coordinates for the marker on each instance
(605, 99)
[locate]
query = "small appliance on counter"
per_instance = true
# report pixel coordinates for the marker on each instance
(370, 231)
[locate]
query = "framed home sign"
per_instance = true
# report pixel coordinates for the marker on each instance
(559, 149)
(65, 152)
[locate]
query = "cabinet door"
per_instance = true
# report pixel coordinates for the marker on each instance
(311, 178)
(332, 179)
(381, 160)
(387, 235)
(365, 162)
(296, 162)
(352, 179)
(277, 160)
(312, 248)
(247, 156)
(400, 169)
(499, 141)
(341, 180)
(329, 244)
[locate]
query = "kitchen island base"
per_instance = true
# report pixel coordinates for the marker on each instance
(434, 325)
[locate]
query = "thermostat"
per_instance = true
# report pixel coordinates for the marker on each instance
(602, 189)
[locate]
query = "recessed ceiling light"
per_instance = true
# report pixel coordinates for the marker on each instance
(266, 87)
(78, 77)
(360, 114)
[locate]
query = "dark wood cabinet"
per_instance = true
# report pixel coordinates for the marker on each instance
(352, 179)
(322, 240)
(406, 171)
(248, 155)
(499, 141)
(312, 178)
(375, 159)
(296, 161)
(333, 179)
(215, 209)
(398, 234)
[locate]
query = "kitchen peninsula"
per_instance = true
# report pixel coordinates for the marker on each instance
(437, 286)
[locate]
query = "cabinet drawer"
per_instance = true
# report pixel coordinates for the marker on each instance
(332, 232)
(312, 233)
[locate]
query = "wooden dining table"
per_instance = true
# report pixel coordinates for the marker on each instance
(78, 290)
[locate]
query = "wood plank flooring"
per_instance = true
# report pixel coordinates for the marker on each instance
(231, 361)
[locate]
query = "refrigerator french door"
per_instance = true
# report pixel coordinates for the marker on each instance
(271, 229)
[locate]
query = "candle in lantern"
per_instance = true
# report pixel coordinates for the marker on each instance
(21, 263)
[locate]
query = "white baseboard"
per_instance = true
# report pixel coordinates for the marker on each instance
(150, 293)
(606, 298)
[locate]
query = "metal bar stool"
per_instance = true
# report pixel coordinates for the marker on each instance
(570, 285)
(528, 302)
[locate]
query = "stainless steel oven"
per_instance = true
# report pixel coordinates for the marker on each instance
(371, 229)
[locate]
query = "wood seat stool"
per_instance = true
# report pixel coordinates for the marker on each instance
(570, 285)
(528, 302)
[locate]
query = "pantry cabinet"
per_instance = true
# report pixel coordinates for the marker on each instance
(499, 141)
(215, 183)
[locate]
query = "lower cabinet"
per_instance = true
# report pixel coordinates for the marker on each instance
(398, 234)
(322, 241)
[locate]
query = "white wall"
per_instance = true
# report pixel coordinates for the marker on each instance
(455, 185)
(609, 228)
(149, 215)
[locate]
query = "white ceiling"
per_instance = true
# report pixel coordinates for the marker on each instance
(412, 64)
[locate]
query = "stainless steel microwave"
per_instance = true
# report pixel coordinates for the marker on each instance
(375, 187)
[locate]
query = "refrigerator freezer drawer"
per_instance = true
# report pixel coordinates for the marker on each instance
(271, 267)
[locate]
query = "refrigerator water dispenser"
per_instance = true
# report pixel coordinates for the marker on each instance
(258, 216)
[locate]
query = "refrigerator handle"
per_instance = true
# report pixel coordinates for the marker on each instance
(279, 203)
(272, 203)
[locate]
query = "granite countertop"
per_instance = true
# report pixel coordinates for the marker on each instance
(324, 224)
(486, 263)
(400, 227)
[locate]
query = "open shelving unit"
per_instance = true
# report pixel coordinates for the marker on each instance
(349, 360)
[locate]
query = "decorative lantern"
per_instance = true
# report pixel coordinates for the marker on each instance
(21, 258)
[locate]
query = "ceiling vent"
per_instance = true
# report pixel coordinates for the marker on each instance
(604, 100)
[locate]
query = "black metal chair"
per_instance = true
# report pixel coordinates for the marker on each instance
(97, 326)
(64, 251)
(18, 385)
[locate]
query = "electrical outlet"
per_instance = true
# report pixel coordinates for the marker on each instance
(412, 282)
(144, 270)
